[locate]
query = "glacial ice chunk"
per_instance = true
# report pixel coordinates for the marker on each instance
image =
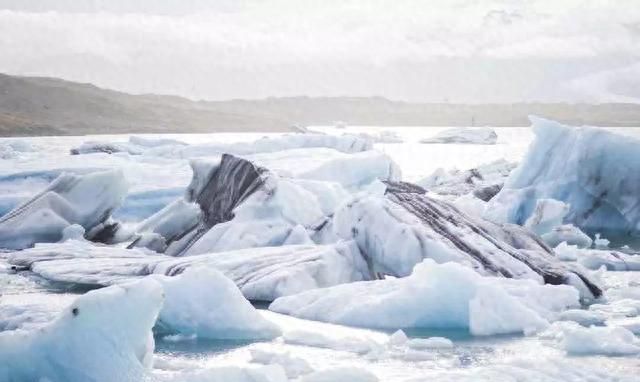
(400, 229)
(341, 374)
(594, 171)
(269, 373)
(450, 296)
(548, 214)
(483, 181)
(105, 335)
(469, 135)
(605, 340)
(294, 367)
(569, 234)
(261, 273)
(203, 302)
(86, 200)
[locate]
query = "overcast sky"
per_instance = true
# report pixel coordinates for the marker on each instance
(429, 50)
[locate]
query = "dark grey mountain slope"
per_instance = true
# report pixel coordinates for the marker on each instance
(46, 106)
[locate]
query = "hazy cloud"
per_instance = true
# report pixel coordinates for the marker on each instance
(471, 51)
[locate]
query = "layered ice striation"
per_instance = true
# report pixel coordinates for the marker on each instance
(398, 230)
(87, 200)
(105, 335)
(435, 296)
(592, 170)
(235, 203)
(465, 135)
(261, 273)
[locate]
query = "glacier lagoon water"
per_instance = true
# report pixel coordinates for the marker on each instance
(497, 358)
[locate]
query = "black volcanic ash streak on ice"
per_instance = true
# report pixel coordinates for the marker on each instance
(517, 242)
(227, 186)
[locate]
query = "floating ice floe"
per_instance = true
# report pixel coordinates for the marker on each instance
(592, 170)
(356, 345)
(449, 295)
(233, 203)
(176, 149)
(596, 258)
(269, 373)
(135, 146)
(340, 374)
(583, 317)
(483, 181)
(547, 219)
(203, 302)
(86, 200)
(105, 335)
(294, 367)
(261, 273)
(399, 229)
(468, 135)
(569, 234)
(10, 149)
(604, 340)
(382, 137)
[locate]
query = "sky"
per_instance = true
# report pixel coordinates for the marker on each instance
(467, 51)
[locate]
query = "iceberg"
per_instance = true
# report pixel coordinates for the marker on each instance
(594, 340)
(203, 302)
(595, 259)
(87, 200)
(399, 229)
(344, 143)
(450, 295)
(547, 214)
(105, 335)
(262, 274)
(569, 234)
(483, 181)
(267, 144)
(592, 170)
(245, 205)
(135, 146)
(385, 136)
(547, 219)
(11, 149)
(466, 135)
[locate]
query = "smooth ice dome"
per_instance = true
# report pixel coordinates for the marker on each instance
(105, 335)
(203, 302)
(450, 296)
(469, 135)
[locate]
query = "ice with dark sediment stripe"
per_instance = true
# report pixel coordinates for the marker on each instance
(87, 200)
(261, 273)
(399, 230)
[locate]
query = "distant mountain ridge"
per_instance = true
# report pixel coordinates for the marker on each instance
(47, 106)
